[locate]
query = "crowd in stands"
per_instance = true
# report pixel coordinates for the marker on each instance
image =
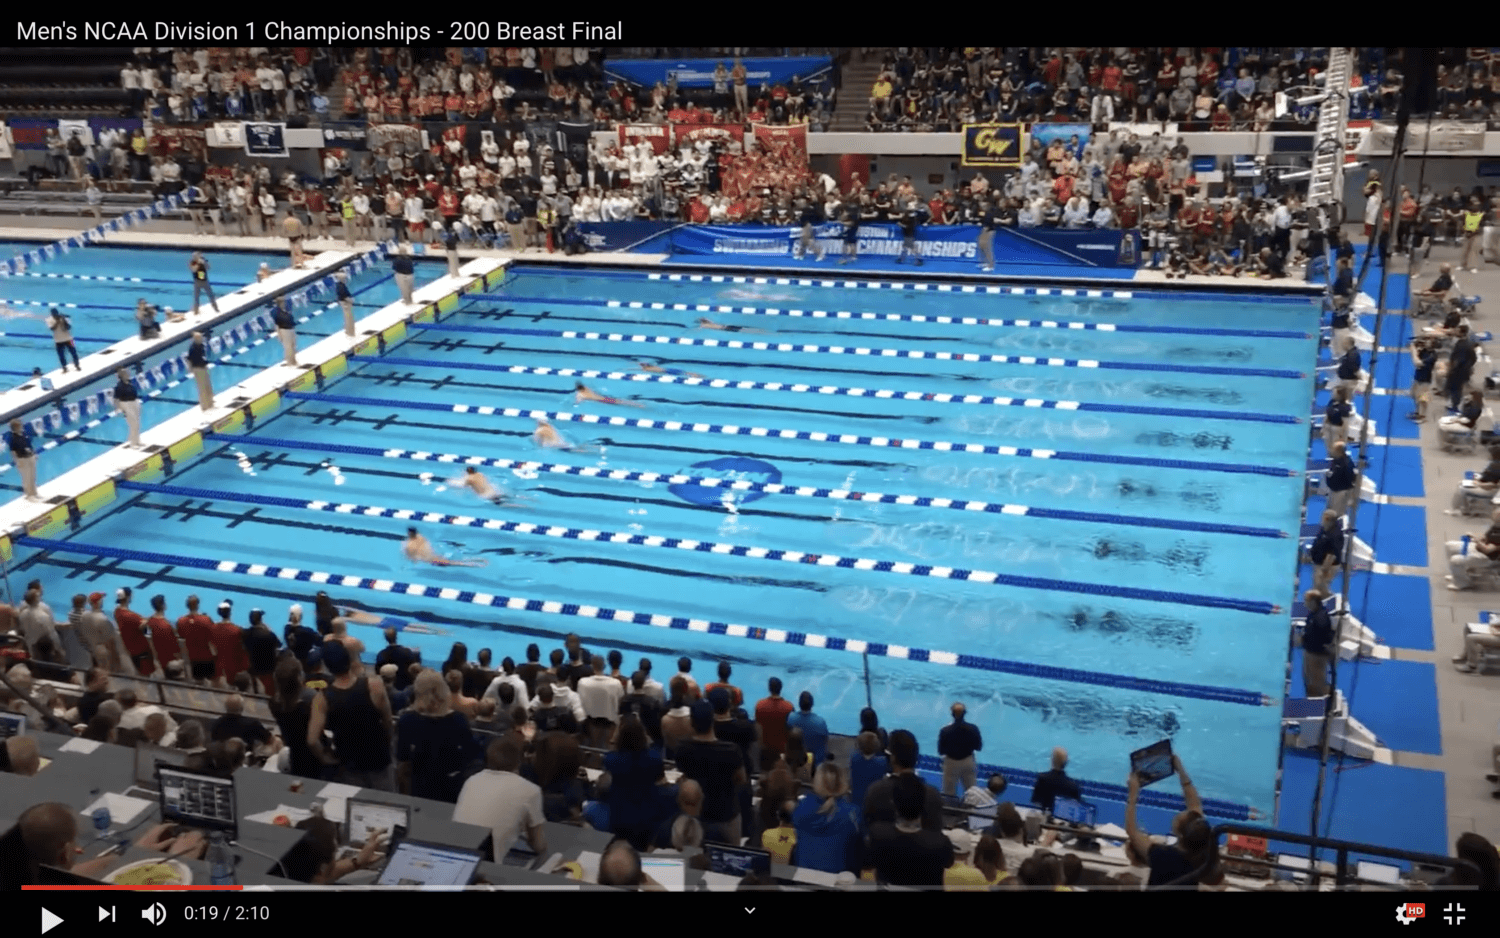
(510, 745)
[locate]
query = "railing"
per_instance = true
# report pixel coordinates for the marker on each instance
(180, 696)
(1343, 877)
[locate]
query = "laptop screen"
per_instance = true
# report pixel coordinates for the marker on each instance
(369, 817)
(1378, 872)
(12, 724)
(1073, 811)
(148, 756)
(414, 863)
(736, 861)
(197, 800)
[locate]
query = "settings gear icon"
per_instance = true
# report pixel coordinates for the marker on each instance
(1402, 917)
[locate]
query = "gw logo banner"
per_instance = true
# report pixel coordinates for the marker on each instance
(992, 145)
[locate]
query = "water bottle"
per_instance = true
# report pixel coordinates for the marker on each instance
(1465, 552)
(220, 862)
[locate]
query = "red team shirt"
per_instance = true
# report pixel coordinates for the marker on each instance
(197, 634)
(164, 640)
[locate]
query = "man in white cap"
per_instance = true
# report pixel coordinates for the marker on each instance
(963, 876)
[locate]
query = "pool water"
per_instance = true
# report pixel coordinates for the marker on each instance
(1142, 541)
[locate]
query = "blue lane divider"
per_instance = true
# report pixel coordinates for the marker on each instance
(48, 335)
(872, 352)
(744, 485)
(939, 398)
(894, 317)
(814, 436)
(936, 287)
(519, 603)
(713, 547)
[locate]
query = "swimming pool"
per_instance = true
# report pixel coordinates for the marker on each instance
(103, 284)
(1094, 542)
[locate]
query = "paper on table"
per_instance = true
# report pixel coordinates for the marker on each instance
(815, 877)
(719, 881)
(590, 863)
(671, 873)
(77, 744)
(122, 809)
(335, 810)
(335, 790)
(295, 815)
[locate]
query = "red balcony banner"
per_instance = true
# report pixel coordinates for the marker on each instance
(782, 139)
(659, 135)
(733, 135)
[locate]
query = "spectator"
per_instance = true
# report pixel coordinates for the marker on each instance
(717, 766)
(19, 756)
(1480, 852)
(95, 692)
(1054, 783)
(37, 621)
(878, 804)
(1196, 848)
(984, 800)
(676, 724)
(555, 768)
(49, 833)
(869, 722)
(957, 743)
(867, 765)
(736, 697)
(402, 657)
(228, 643)
(634, 768)
(643, 705)
(261, 647)
(730, 726)
(357, 712)
(550, 714)
(503, 801)
(292, 708)
(434, 746)
(600, 695)
(771, 714)
(828, 824)
(235, 725)
(906, 852)
(814, 729)
(163, 636)
(134, 714)
(196, 630)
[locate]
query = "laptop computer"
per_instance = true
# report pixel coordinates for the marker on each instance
(362, 818)
(12, 724)
(195, 800)
(415, 863)
(738, 862)
(1073, 811)
(147, 757)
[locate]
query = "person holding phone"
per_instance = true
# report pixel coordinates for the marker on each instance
(1196, 846)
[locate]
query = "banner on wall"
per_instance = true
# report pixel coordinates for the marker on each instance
(992, 145)
(347, 135)
(656, 134)
(1355, 133)
(1446, 137)
(776, 139)
(227, 135)
(5, 148)
(30, 133)
(1074, 136)
(699, 73)
(265, 139)
(178, 139)
(67, 128)
(408, 135)
(1036, 246)
(731, 135)
(619, 235)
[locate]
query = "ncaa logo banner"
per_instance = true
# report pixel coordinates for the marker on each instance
(265, 139)
(992, 145)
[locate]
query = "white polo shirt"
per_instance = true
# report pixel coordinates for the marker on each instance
(601, 696)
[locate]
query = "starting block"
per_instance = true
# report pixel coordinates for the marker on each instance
(1356, 640)
(1363, 339)
(1361, 555)
(1302, 728)
(1354, 428)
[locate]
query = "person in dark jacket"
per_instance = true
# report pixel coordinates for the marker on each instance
(1317, 644)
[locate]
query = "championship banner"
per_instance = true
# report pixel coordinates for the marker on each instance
(992, 145)
(177, 139)
(66, 129)
(1447, 137)
(408, 135)
(1073, 135)
(699, 73)
(5, 150)
(733, 135)
(775, 139)
(347, 135)
(226, 135)
(1355, 134)
(265, 139)
(30, 133)
(657, 134)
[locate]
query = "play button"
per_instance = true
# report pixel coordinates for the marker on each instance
(49, 921)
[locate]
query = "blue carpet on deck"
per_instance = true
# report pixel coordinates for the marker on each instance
(1397, 533)
(1365, 802)
(1398, 609)
(830, 269)
(1392, 413)
(1395, 470)
(1393, 371)
(1394, 332)
(1396, 700)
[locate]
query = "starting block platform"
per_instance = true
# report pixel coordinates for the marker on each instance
(1356, 640)
(1302, 720)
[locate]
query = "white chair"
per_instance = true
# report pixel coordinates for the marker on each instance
(1491, 656)
(1471, 500)
(1455, 438)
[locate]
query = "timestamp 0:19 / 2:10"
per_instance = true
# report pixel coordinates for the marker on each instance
(210, 914)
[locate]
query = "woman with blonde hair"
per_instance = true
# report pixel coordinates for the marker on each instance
(827, 824)
(434, 746)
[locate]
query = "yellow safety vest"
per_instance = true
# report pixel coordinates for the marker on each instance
(347, 208)
(1472, 220)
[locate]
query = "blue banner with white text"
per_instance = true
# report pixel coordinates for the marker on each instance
(1034, 246)
(699, 73)
(622, 235)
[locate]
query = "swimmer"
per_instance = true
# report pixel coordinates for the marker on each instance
(263, 272)
(659, 370)
(581, 393)
(710, 324)
(416, 549)
(481, 486)
(547, 437)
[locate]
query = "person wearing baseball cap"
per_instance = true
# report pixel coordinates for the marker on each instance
(133, 634)
(962, 876)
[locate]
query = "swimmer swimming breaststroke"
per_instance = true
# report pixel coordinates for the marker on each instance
(710, 324)
(659, 370)
(581, 393)
(547, 437)
(416, 549)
